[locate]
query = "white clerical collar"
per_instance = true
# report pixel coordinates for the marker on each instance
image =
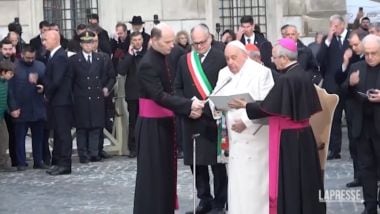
(54, 51)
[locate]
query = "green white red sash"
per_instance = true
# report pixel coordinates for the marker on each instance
(198, 75)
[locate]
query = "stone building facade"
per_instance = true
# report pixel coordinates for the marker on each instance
(309, 15)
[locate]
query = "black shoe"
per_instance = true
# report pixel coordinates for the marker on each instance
(59, 170)
(103, 154)
(333, 155)
(83, 160)
(95, 159)
(132, 154)
(22, 168)
(201, 209)
(354, 183)
(40, 166)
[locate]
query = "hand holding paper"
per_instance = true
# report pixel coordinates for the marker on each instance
(237, 103)
(232, 101)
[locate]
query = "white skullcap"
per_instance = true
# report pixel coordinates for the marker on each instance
(237, 44)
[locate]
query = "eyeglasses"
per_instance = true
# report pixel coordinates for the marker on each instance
(200, 43)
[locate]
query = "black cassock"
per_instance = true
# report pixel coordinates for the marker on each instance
(156, 162)
(298, 180)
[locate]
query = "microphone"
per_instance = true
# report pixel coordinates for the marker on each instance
(225, 82)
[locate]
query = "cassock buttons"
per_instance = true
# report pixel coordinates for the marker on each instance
(89, 88)
(88, 78)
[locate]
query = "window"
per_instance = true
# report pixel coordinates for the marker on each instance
(69, 13)
(232, 10)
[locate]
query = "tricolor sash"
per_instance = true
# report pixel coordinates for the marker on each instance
(198, 75)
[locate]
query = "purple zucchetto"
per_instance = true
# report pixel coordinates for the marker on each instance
(288, 44)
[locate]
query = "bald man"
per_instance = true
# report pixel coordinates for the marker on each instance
(248, 139)
(364, 88)
(156, 157)
(58, 96)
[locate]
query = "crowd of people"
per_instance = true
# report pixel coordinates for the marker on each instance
(52, 84)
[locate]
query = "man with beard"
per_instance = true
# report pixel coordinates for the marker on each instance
(8, 55)
(26, 103)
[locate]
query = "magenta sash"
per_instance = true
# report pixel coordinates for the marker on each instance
(150, 109)
(276, 125)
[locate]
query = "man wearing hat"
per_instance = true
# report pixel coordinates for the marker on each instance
(89, 84)
(137, 26)
(293, 156)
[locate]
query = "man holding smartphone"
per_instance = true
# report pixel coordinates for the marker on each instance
(364, 77)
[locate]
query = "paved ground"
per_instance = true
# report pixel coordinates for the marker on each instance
(108, 187)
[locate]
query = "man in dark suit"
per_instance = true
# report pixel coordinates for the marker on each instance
(363, 85)
(330, 59)
(247, 35)
(64, 42)
(104, 39)
(74, 43)
(58, 95)
(120, 43)
(305, 56)
(351, 55)
(211, 60)
(138, 26)
(36, 42)
(128, 67)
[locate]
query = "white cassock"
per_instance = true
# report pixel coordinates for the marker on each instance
(248, 173)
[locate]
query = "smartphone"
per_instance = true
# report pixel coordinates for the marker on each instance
(371, 91)
(361, 9)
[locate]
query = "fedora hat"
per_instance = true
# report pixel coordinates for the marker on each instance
(136, 20)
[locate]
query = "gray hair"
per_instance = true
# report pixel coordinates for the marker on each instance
(291, 26)
(281, 51)
(371, 38)
(253, 54)
(375, 25)
(202, 27)
(337, 17)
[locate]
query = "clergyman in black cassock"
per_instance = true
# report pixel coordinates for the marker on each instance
(295, 181)
(156, 163)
